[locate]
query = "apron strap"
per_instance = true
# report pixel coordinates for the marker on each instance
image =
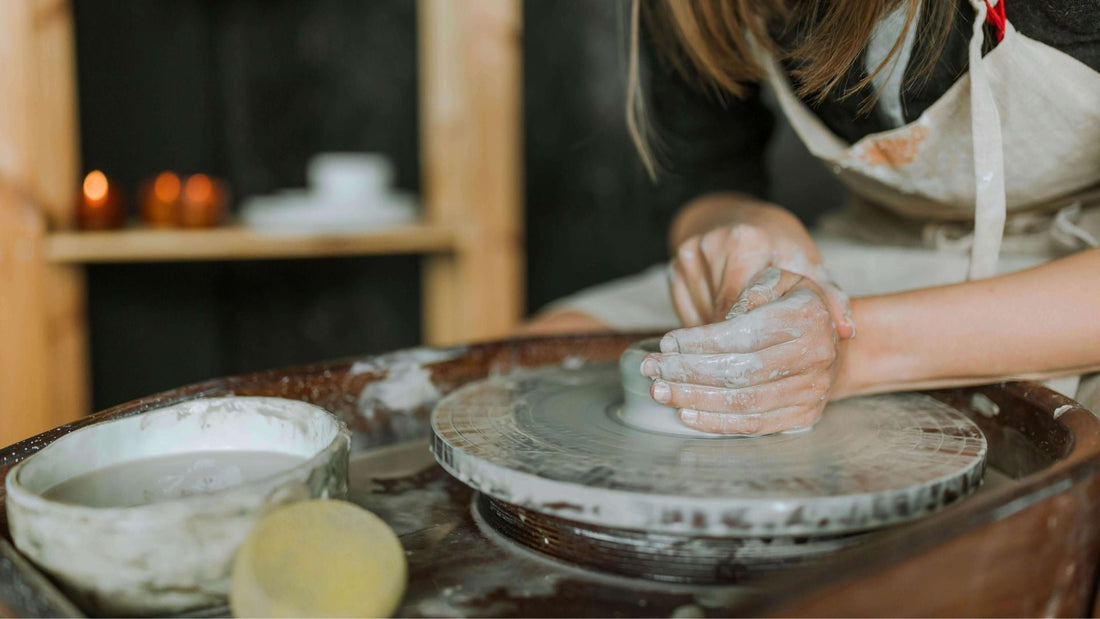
(989, 181)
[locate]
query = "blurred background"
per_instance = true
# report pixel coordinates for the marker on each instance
(247, 91)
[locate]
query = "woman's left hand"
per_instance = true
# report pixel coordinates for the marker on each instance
(769, 367)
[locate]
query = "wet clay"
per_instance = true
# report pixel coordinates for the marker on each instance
(639, 409)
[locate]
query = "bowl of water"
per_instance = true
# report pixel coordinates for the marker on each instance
(142, 515)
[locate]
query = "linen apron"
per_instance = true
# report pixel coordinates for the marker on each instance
(1001, 173)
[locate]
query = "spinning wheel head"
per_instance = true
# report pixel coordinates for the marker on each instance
(550, 440)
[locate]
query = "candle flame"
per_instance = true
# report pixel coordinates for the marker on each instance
(199, 188)
(166, 187)
(95, 186)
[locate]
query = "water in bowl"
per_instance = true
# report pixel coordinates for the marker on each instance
(164, 478)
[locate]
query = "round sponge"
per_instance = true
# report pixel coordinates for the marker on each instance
(318, 558)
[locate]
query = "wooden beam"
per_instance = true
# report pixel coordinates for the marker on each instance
(56, 159)
(471, 160)
(25, 400)
(44, 366)
(54, 151)
(24, 365)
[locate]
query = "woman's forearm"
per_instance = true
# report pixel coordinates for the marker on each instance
(1038, 323)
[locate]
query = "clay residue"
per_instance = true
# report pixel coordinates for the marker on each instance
(895, 151)
(406, 388)
(408, 357)
(406, 383)
(984, 406)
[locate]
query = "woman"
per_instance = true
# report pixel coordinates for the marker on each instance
(971, 149)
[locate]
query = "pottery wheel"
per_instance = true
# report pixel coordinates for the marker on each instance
(549, 440)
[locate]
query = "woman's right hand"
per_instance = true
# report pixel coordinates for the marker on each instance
(710, 270)
(770, 366)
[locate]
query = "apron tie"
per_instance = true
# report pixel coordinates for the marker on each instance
(1070, 228)
(989, 181)
(1065, 230)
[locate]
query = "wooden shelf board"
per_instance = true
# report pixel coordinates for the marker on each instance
(238, 243)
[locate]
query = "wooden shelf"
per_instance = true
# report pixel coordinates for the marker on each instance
(238, 243)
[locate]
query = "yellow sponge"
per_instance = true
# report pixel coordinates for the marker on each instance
(318, 559)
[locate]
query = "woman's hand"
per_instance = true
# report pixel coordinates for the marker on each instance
(735, 244)
(768, 367)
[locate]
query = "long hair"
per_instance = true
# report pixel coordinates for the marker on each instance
(710, 42)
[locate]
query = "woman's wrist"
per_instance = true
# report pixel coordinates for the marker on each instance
(877, 356)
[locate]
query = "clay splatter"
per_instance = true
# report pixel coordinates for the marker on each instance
(984, 406)
(407, 357)
(895, 151)
(407, 385)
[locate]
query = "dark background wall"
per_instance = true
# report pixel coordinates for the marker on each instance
(249, 89)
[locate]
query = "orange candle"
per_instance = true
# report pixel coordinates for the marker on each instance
(160, 201)
(203, 203)
(100, 205)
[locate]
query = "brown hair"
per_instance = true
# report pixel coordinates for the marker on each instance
(710, 42)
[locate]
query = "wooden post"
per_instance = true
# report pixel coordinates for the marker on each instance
(471, 161)
(43, 363)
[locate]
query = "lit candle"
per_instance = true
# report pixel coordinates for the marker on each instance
(100, 205)
(204, 201)
(160, 201)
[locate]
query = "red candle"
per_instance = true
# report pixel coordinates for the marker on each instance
(100, 205)
(160, 201)
(204, 202)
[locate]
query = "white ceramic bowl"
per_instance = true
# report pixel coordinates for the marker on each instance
(173, 555)
(639, 408)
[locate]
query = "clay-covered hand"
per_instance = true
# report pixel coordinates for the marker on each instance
(768, 367)
(711, 270)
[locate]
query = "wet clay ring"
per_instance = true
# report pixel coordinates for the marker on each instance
(639, 409)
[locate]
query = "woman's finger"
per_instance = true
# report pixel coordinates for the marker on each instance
(737, 370)
(734, 256)
(717, 370)
(682, 300)
(768, 285)
(790, 391)
(840, 308)
(782, 420)
(769, 325)
(692, 266)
